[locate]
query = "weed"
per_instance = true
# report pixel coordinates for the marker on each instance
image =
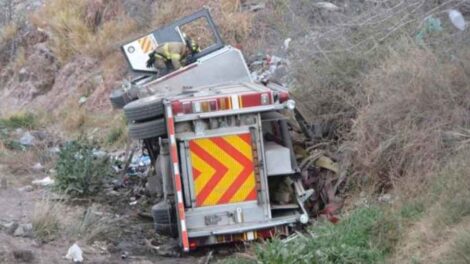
(20, 120)
(237, 260)
(114, 135)
(46, 220)
(350, 241)
(412, 210)
(91, 225)
(79, 172)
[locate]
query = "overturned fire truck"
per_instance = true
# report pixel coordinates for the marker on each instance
(219, 140)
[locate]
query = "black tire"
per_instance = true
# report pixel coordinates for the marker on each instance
(149, 129)
(144, 108)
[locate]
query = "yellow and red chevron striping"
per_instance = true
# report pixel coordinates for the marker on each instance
(223, 170)
(146, 44)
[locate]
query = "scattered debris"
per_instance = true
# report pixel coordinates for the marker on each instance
(327, 6)
(286, 44)
(37, 167)
(27, 139)
(82, 100)
(74, 253)
(99, 153)
(24, 230)
(385, 198)
(253, 7)
(270, 68)
(47, 181)
(27, 188)
(457, 19)
(431, 25)
(9, 227)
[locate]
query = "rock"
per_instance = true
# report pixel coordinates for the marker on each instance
(27, 139)
(27, 188)
(23, 75)
(40, 134)
(24, 230)
(9, 227)
(23, 255)
(74, 253)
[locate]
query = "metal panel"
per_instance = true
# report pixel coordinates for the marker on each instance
(223, 170)
(251, 213)
(221, 67)
(242, 227)
(187, 190)
(277, 159)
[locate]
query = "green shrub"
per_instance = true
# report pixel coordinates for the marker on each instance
(22, 120)
(79, 172)
(115, 135)
(350, 241)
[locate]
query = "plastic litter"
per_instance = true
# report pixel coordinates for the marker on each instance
(47, 181)
(431, 25)
(327, 6)
(75, 253)
(27, 139)
(457, 19)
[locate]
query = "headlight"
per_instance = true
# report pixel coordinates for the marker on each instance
(290, 104)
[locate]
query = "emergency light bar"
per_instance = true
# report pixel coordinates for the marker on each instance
(220, 103)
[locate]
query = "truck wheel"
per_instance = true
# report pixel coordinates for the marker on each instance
(149, 129)
(144, 108)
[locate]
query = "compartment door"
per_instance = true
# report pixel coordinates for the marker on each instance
(223, 170)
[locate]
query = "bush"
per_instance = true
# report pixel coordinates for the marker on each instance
(417, 114)
(79, 172)
(350, 241)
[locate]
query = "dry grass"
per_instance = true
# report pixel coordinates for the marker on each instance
(87, 28)
(96, 28)
(8, 32)
(416, 114)
(46, 219)
(91, 224)
(437, 234)
(235, 25)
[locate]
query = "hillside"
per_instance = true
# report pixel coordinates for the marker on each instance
(384, 85)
